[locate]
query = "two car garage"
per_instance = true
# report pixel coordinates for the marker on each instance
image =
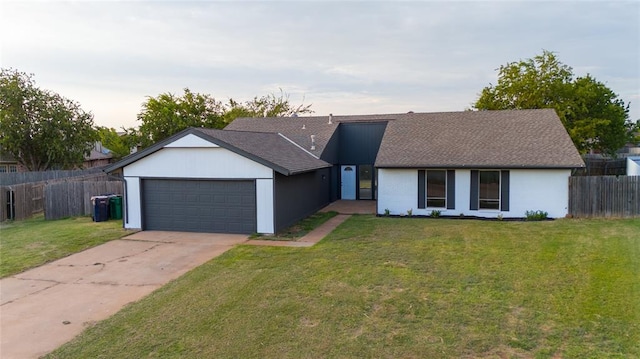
(216, 206)
(218, 181)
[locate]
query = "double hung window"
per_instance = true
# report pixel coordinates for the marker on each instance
(436, 189)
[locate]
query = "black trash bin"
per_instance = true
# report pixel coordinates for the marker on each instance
(100, 208)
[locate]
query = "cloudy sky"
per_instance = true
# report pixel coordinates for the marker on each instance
(343, 57)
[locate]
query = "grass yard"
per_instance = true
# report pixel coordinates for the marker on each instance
(398, 288)
(299, 229)
(33, 242)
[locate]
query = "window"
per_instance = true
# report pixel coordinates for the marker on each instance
(365, 178)
(489, 191)
(3, 168)
(13, 168)
(437, 189)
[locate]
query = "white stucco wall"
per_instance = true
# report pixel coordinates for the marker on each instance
(193, 161)
(133, 218)
(546, 190)
(633, 166)
(191, 141)
(197, 163)
(398, 191)
(264, 206)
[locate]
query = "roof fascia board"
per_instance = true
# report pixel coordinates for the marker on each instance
(310, 169)
(482, 167)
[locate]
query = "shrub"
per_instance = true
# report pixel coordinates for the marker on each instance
(435, 213)
(387, 212)
(536, 215)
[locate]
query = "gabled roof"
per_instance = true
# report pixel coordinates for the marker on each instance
(300, 129)
(478, 139)
(270, 149)
(470, 139)
(97, 155)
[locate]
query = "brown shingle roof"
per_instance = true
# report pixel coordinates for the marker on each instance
(270, 149)
(471, 139)
(300, 129)
(480, 139)
(292, 127)
(278, 151)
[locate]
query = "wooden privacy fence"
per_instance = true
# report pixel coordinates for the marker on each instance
(67, 199)
(22, 194)
(604, 196)
(21, 201)
(7, 179)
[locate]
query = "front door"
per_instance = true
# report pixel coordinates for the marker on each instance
(348, 182)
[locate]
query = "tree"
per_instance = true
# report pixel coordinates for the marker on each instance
(167, 114)
(593, 115)
(40, 128)
(265, 106)
(118, 143)
(596, 118)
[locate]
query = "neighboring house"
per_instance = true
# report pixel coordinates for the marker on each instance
(9, 164)
(263, 174)
(633, 166)
(98, 157)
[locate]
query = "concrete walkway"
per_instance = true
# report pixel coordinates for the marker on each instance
(351, 207)
(309, 239)
(45, 307)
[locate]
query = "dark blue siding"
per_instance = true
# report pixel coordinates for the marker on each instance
(299, 196)
(331, 150)
(360, 142)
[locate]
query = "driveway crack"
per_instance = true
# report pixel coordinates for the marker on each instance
(135, 254)
(54, 283)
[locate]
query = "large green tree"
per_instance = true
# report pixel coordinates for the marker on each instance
(119, 143)
(594, 116)
(40, 128)
(168, 114)
(264, 106)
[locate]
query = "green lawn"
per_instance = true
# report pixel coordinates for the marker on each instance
(398, 288)
(301, 228)
(33, 242)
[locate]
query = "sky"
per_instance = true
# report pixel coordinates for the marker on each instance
(342, 57)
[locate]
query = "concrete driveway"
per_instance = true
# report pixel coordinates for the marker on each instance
(45, 307)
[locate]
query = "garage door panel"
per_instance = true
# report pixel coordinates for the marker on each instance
(199, 205)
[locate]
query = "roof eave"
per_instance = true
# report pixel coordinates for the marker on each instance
(297, 172)
(491, 166)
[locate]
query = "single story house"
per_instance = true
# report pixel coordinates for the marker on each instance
(263, 174)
